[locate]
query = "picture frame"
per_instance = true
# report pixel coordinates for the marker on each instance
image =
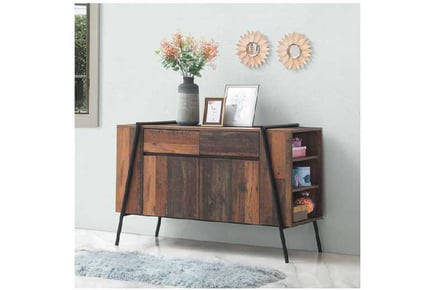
(240, 105)
(214, 111)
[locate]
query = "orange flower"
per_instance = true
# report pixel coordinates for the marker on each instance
(177, 39)
(209, 50)
(169, 51)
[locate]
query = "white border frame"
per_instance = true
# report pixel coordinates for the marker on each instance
(247, 121)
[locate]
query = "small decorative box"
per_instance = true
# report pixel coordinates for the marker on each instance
(299, 151)
(299, 213)
(296, 142)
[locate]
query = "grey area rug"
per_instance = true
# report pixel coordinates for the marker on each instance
(179, 272)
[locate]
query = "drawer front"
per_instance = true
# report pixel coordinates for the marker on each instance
(171, 141)
(241, 144)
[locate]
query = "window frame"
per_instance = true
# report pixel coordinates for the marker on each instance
(91, 120)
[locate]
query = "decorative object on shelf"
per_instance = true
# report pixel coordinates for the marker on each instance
(188, 103)
(297, 149)
(306, 200)
(240, 104)
(296, 142)
(188, 56)
(299, 213)
(213, 112)
(294, 50)
(253, 49)
(301, 176)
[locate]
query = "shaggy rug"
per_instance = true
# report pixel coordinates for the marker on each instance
(179, 272)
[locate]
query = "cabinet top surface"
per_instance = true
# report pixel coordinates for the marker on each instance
(199, 128)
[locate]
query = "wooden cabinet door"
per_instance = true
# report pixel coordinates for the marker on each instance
(170, 186)
(229, 190)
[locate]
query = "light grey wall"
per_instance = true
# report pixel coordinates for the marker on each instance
(135, 87)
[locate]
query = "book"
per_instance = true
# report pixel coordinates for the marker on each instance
(301, 176)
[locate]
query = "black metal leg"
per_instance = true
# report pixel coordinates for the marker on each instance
(118, 234)
(318, 241)
(130, 173)
(283, 241)
(157, 230)
(128, 182)
(275, 196)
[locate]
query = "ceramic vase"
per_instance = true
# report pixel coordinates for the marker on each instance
(188, 103)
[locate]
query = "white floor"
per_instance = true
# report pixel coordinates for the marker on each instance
(305, 269)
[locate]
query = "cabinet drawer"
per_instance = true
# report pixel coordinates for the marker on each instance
(242, 144)
(171, 141)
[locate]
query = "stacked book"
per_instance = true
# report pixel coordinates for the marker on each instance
(301, 176)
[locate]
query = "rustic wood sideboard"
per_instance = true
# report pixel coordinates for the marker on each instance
(216, 174)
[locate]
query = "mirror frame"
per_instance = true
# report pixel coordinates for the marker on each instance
(247, 58)
(305, 50)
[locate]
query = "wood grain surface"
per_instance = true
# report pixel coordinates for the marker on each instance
(171, 141)
(229, 190)
(240, 144)
(124, 144)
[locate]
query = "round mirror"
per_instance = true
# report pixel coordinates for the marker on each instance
(294, 51)
(252, 49)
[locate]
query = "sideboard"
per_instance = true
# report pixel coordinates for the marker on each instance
(224, 174)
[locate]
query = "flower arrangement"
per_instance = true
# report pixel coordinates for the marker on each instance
(187, 54)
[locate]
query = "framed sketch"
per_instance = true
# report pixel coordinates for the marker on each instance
(213, 112)
(240, 104)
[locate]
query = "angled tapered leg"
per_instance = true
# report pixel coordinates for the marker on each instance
(130, 173)
(128, 182)
(283, 241)
(157, 230)
(318, 241)
(274, 192)
(118, 234)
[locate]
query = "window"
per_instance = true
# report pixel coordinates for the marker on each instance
(86, 65)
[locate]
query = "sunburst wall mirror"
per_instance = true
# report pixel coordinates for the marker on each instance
(294, 50)
(253, 49)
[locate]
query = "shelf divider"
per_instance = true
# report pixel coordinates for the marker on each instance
(303, 188)
(304, 158)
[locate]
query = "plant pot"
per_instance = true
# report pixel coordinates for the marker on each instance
(188, 103)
